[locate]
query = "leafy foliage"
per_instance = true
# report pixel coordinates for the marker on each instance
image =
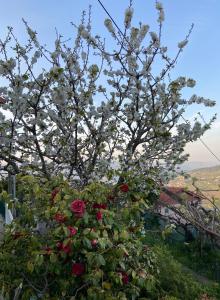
(81, 238)
(86, 244)
(70, 243)
(173, 281)
(177, 280)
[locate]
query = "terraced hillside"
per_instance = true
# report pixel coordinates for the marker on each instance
(207, 180)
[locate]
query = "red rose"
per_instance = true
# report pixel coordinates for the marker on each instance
(100, 205)
(60, 218)
(48, 251)
(124, 188)
(111, 198)
(17, 235)
(78, 207)
(64, 248)
(124, 277)
(99, 215)
(72, 230)
(78, 269)
(94, 243)
(59, 245)
(54, 193)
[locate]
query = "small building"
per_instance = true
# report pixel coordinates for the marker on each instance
(171, 199)
(174, 197)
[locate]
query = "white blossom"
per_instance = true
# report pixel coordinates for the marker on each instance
(191, 82)
(154, 36)
(159, 7)
(182, 44)
(109, 26)
(83, 55)
(128, 16)
(134, 34)
(143, 31)
(161, 16)
(92, 105)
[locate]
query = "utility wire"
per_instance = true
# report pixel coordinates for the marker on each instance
(204, 144)
(201, 116)
(207, 147)
(120, 31)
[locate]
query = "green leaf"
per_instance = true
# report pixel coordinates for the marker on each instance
(100, 260)
(53, 258)
(86, 218)
(66, 231)
(39, 260)
(87, 242)
(122, 265)
(133, 273)
(30, 266)
(105, 233)
(102, 243)
(86, 231)
(124, 235)
(115, 236)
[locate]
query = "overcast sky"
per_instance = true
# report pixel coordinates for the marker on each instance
(200, 60)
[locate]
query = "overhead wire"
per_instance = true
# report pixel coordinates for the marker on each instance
(204, 144)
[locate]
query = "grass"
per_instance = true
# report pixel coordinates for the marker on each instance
(205, 263)
(189, 267)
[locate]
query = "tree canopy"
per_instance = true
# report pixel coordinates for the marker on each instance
(90, 108)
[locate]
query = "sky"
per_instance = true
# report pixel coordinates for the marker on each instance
(200, 59)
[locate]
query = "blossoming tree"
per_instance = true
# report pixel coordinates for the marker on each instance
(91, 107)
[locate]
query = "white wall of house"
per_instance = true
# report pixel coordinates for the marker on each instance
(167, 212)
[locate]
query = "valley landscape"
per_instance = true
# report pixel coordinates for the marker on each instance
(207, 180)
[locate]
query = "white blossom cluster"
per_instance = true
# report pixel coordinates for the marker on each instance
(182, 44)
(128, 17)
(92, 107)
(159, 7)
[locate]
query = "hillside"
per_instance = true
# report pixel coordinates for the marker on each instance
(207, 180)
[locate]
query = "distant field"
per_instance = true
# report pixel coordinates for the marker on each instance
(207, 180)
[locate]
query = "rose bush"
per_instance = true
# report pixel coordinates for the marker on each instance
(81, 244)
(50, 252)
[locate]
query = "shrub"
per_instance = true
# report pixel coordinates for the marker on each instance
(86, 244)
(81, 244)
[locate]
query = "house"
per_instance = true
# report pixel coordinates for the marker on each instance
(167, 209)
(171, 198)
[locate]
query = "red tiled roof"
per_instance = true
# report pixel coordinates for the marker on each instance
(2, 100)
(175, 190)
(167, 199)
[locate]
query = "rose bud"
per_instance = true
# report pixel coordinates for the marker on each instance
(124, 188)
